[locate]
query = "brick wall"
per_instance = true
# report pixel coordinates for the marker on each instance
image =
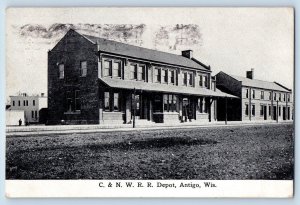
(70, 51)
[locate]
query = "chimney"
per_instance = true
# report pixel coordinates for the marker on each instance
(187, 54)
(250, 74)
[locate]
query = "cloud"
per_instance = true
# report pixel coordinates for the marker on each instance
(178, 36)
(173, 37)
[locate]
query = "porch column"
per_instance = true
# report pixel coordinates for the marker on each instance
(128, 108)
(150, 110)
(203, 104)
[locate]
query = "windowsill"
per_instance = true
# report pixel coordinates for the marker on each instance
(72, 112)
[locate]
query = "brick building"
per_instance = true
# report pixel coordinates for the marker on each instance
(93, 80)
(258, 100)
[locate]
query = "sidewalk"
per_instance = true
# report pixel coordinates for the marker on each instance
(64, 129)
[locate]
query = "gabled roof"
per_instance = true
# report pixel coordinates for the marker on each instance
(157, 87)
(259, 83)
(115, 47)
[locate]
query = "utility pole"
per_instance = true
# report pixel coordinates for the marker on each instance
(277, 112)
(226, 110)
(134, 105)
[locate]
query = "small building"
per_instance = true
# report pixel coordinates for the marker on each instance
(14, 117)
(92, 80)
(258, 100)
(30, 104)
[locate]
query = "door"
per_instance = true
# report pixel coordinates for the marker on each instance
(288, 114)
(265, 112)
(274, 113)
(185, 109)
(284, 113)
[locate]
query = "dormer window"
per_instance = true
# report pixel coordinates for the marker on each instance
(117, 69)
(107, 68)
(157, 73)
(184, 78)
(172, 76)
(190, 79)
(165, 75)
(141, 72)
(61, 68)
(133, 71)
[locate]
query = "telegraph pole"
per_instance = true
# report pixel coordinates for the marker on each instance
(277, 112)
(226, 110)
(134, 104)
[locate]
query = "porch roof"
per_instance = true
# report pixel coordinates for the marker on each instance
(156, 87)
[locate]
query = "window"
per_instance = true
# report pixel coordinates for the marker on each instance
(107, 68)
(19, 103)
(274, 96)
(165, 76)
(69, 106)
(279, 96)
(170, 103)
(32, 114)
(61, 68)
(279, 110)
(24, 103)
(77, 100)
(157, 73)
(270, 95)
(141, 72)
(13, 103)
(117, 69)
(190, 79)
(166, 102)
(269, 110)
(33, 102)
(284, 97)
(133, 72)
(253, 110)
(83, 68)
(35, 114)
(253, 94)
(262, 95)
(172, 76)
(246, 109)
(288, 98)
(106, 101)
(201, 81)
(184, 78)
(247, 93)
(261, 110)
(206, 81)
(116, 102)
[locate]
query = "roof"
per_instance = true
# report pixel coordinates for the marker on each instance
(144, 53)
(259, 83)
(157, 87)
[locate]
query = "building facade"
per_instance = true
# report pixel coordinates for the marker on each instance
(258, 100)
(32, 105)
(93, 80)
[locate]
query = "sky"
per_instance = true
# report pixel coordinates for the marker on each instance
(232, 40)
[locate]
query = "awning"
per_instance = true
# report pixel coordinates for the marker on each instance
(157, 87)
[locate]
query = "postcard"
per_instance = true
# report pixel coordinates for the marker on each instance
(150, 102)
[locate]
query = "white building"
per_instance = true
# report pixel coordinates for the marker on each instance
(30, 104)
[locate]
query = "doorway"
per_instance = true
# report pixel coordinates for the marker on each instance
(274, 113)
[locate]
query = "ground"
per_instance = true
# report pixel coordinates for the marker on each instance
(238, 152)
